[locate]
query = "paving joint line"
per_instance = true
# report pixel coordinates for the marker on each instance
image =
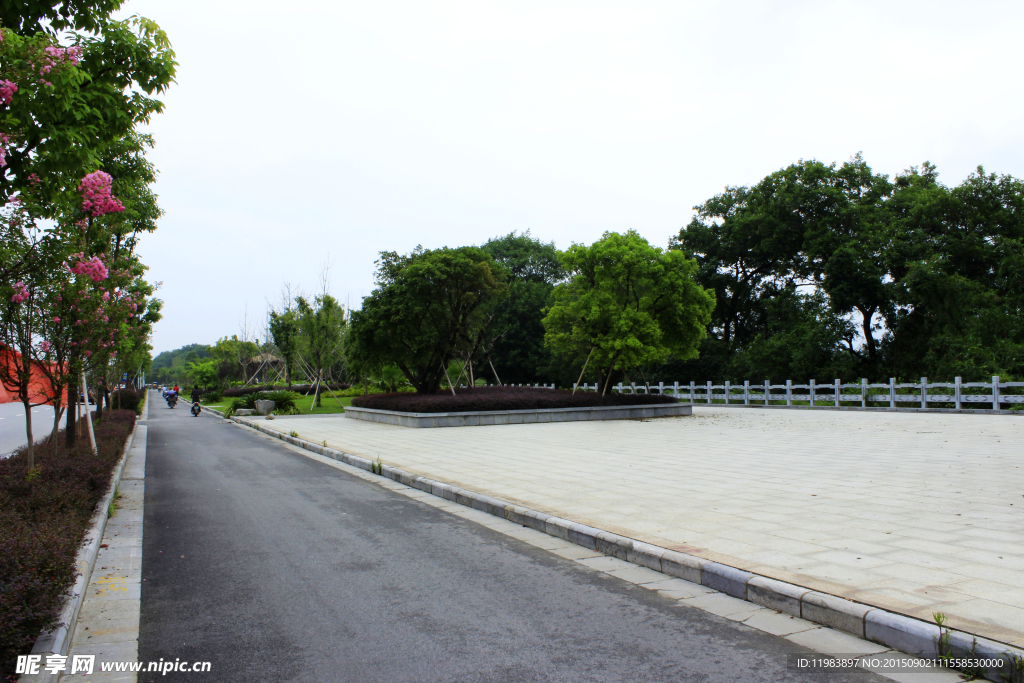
(890, 629)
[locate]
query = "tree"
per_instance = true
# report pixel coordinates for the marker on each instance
(204, 373)
(321, 324)
(284, 329)
(428, 308)
(626, 304)
(514, 338)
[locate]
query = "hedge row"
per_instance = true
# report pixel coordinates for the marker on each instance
(304, 389)
(43, 517)
(501, 398)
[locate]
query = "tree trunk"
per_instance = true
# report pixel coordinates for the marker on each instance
(58, 410)
(28, 432)
(70, 424)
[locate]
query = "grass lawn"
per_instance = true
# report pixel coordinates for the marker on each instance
(328, 405)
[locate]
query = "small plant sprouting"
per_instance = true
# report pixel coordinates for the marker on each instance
(294, 434)
(33, 474)
(376, 466)
(1016, 662)
(112, 508)
(942, 642)
(325, 443)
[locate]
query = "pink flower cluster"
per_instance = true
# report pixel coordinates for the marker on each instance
(45, 346)
(59, 55)
(94, 267)
(20, 292)
(4, 139)
(96, 197)
(7, 90)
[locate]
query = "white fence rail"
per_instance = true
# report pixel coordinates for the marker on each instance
(994, 396)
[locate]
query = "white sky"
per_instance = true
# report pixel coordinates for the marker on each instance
(312, 129)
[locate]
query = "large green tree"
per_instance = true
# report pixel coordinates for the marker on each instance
(321, 326)
(626, 304)
(428, 308)
(514, 338)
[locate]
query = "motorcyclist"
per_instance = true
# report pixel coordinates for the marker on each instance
(171, 396)
(197, 394)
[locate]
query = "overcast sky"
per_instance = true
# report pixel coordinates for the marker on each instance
(316, 129)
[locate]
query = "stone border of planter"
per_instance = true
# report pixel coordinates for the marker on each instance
(893, 630)
(504, 417)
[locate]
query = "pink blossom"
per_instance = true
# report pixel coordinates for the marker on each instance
(45, 346)
(96, 197)
(94, 268)
(20, 292)
(88, 353)
(7, 90)
(56, 319)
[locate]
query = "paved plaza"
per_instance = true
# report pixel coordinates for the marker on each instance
(912, 512)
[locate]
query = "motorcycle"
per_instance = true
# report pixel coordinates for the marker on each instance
(196, 409)
(172, 398)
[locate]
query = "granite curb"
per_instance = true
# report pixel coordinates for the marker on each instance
(890, 629)
(58, 641)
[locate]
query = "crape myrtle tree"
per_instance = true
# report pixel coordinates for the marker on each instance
(626, 304)
(428, 308)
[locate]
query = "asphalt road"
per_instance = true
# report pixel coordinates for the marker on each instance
(275, 567)
(12, 425)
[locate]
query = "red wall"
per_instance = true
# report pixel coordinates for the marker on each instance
(38, 387)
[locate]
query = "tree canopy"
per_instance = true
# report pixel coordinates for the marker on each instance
(428, 308)
(626, 304)
(835, 270)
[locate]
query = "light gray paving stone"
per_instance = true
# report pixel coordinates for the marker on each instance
(779, 623)
(680, 587)
(638, 575)
(723, 605)
(604, 563)
(829, 641)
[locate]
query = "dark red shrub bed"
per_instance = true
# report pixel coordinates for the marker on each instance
(127, 399)
(501, 398)
(43, 517)
(304, 389)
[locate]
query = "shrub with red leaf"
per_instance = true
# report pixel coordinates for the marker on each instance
(502, 398)
(43, 518)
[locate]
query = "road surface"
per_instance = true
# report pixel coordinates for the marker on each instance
(275, 567)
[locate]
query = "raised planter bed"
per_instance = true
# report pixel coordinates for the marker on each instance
(475, 418)
(508, 405)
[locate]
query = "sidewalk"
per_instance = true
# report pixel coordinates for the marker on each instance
(914, 513)
(108, 626)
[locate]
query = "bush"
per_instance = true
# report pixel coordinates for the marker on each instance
(213, 396)
(125, 399)
(285, 402)
(43, 517)
(501, 398)
(247, 401)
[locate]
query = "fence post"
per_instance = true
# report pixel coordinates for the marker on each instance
(693, 393)
(995, 393)
(956, 391)
(661, 388)
(710, 390)
(812, 393)
(746, 392)
(839, 389)
(892, 392)
(863, 392)
(789, 392)
(619, 388)
(727, 390)
(675, 389)
(924, 392)
(767, 392)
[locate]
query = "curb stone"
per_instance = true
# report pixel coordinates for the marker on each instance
(890, 629)
(58, 641)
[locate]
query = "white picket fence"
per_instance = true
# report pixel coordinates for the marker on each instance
(956, 396)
